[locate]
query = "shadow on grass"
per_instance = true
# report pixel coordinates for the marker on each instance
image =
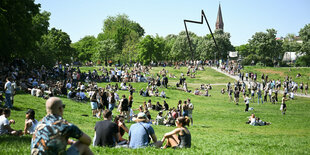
(14, 139)
(205, 126)
(17, 109)
(14, 108)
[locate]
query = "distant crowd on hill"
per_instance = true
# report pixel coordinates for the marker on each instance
(65, 80)
(262, 89)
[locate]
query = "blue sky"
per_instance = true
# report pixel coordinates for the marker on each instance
(242, 18)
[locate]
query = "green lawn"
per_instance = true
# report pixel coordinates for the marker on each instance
(281, 72)
(219, 126)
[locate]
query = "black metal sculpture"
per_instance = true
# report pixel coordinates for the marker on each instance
(197, 22)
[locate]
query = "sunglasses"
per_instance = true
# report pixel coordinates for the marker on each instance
(64, 106)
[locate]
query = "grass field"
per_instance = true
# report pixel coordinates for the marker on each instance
(219, 125)
(281, 72)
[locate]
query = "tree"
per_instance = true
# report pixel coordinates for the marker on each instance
(304, 33)
(266, 46)
(146, 49)
(243, 50)
(181, 50)
(290, 43)
(18, 29)
(85, 48)
(55, 46)
(169, 42)
(159, 49)
(291, 46)
(130, 52)
(104, 50)
(206, 48)
(119, 28)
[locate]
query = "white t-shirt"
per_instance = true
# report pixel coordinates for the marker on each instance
(8, 87)
(68, 86)
(33, 126)
(3, 122)
(247, 100)
(82, 87)
(191, 107)
(33, 92)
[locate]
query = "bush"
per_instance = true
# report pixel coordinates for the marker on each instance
(283, 64)
(268, 61)
(260, 64)
(247, 60)
(303, 61)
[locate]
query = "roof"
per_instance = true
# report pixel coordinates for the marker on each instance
(219, 21)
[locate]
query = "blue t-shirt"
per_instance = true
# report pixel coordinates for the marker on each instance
(138, 135)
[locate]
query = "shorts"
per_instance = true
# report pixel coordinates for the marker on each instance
(100, 106)
(185, 113)
(93, 105)
(111, 107)
(190, 116)
(72, 151)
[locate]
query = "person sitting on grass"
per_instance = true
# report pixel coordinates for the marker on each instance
(149, 105)
(119, 120)
(5, 127)
(163, 94)
(196, 92)
(256, 121)
(179, 137)
(141, 133)
(158, 106)
(52, 133)
(106, 131)
(169, 120)
(207, 93)
(223, 91)
(166, 105)
(30, 122)
(141, 92)
(160, 118)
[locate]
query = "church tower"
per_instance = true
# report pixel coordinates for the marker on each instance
(219, 21)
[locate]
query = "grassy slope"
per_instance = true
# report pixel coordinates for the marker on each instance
(280, 73)
(219, 126)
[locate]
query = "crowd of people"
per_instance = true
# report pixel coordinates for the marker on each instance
(263, 91)
(70, 82)
(53, 132)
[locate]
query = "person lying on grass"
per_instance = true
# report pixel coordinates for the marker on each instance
(256, 121)
(179, 137)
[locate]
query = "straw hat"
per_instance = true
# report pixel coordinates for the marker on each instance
(141, 117)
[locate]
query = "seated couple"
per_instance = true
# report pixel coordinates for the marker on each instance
(141, 133)
(108, 133)
(255, 121)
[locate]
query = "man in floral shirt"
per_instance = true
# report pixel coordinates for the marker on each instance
(52, 133)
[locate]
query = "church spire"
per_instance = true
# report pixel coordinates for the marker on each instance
(219, 21)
